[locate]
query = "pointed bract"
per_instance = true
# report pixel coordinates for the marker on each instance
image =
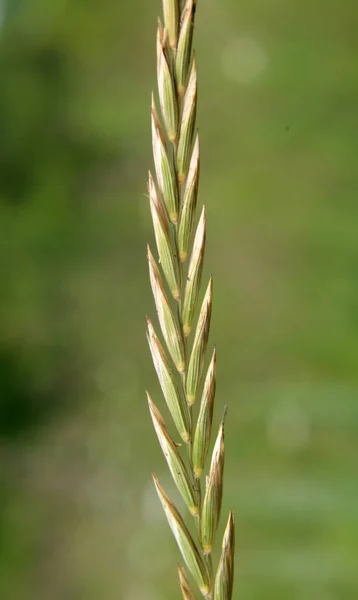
(168, 324)
(187, 126)
(189, 203)
(167, 260)
(154, 197)
(213, 494)
(189, 551)
(183, 55)
(225, 573)
(202, 435)
(177, 406)
(164, 169)
(167, 96)
(197, 357)
(175, 463)
(193, 282)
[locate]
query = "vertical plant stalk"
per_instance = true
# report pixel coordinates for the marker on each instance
(176, 285)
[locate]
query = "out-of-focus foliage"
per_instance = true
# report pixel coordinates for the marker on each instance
(278, 93)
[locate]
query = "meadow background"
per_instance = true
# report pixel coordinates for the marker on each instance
(278, 117)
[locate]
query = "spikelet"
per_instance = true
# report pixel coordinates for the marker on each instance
(166, 87)
(193, 281)
(187, 127)
(177, 406)
(225, 573)
(189, 203)
(164, 169)
(172, 456)
(160, 225)
(213, 495)
(182, 59)
(187, 547)
(169, 326)
(197, 357)
(203, 427)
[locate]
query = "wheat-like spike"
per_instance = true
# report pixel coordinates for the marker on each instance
(179, 363)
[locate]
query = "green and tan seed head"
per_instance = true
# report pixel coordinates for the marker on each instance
(176, 288)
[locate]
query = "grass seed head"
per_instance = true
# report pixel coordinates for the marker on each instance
(173, 202)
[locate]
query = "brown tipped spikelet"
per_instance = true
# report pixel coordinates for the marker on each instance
(213, 495)
(183, 55)
(203, 427)
(184, 315)
(198, 353)
(187, 547)
(169, 325)
(161, 230)
(172, 456)
(177, 405)
(189, 203)
(187, 127)
(166, 88)
(193, 280)
(224, 579)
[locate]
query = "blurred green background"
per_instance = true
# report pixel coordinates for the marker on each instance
(278, 117)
